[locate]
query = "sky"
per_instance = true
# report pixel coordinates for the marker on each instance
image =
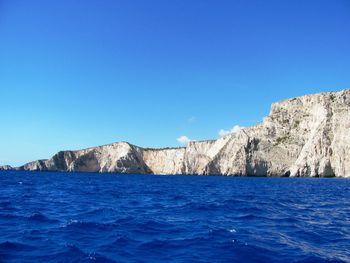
(75, 74)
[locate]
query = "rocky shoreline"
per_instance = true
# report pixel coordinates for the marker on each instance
(308, 136)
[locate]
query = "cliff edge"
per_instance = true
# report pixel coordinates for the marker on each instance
(308, 136)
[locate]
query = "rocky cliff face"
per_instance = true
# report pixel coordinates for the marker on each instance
(5, 168)
(117, 157)
(305, 136)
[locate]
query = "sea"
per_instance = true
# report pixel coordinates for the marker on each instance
(88, 217)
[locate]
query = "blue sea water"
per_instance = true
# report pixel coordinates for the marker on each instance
(80, 217)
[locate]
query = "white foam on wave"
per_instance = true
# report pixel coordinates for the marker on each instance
(232, 230)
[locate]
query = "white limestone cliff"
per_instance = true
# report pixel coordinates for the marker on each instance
(304, 136)
(5, 168)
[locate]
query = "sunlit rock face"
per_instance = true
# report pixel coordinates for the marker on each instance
(164, 161)
(5, 168)
(117, 157)
(304, 136)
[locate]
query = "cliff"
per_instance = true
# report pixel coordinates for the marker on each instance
(5, 168)
(304, 136)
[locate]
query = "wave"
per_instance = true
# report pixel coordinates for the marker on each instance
(8, 245)
(39, 217)
(33, 218)
(5, 204)
(87, 225)
(94, 218)
(71, 253)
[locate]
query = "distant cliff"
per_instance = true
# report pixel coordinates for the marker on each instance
(304, 136)
(5, 168)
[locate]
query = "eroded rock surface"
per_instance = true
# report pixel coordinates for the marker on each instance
(304, 136)
(6, 168)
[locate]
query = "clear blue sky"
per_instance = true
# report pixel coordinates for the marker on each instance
(75, 74)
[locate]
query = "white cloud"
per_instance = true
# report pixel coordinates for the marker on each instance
(184, 140)
(235, 129)
(223, 133)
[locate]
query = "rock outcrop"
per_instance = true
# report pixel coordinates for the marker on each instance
(6, 168)
(304, 136)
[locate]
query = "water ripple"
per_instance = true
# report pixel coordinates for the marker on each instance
(60, 217)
